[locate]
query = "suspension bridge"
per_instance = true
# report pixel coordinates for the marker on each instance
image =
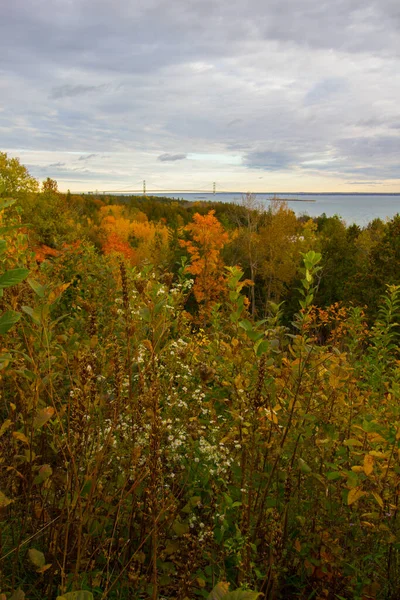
(144, 189)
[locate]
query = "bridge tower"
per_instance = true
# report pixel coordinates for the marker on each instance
(214, 188)
(144, 187)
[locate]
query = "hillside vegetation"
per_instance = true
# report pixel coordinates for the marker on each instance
(195, 395)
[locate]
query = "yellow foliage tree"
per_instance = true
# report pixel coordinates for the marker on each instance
(281, 241)
(151, 241)
(139, 241)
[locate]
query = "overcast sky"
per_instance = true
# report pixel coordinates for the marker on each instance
(256, 95)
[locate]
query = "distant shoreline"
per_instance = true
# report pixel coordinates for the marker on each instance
(292, 199)
(318, 193)
(169, 193)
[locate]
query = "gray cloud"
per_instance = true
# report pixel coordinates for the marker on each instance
(87, 156)
(269, 160)
(171, 157)
(69, 91)
(324, 90)
(234, 122)
(298, 87)
(364, 182)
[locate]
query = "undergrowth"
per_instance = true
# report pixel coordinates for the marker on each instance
(147, 455)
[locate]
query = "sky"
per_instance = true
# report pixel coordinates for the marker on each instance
(254, 95)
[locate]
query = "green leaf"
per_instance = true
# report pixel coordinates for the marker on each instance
(33, 313)
(37, 287)
(12, 277)
(9, 228)
(37, 558)
(180, 528)
(193, 502)
(80, 595)
(6, 202)
(44, 473)
(333, 475)
(3, 246)
(246, 325)
(261, 347)
(7, 320)
(304, 468)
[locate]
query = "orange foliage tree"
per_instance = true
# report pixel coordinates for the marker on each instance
(208, 237)
(116, 233)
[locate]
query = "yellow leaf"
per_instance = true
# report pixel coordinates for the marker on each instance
(335, 382)
(352, 442)
(379, 454)
(20, 437)
(56, 293)
(36, 557)
(378, 499)
(4, 501)
(354, 495)
(375, 438)
(368, 464)
(219, 591)
(44, 568)
(271, 416)
(43, 416)
(6, 424)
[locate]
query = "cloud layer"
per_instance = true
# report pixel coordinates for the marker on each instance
(101, 94)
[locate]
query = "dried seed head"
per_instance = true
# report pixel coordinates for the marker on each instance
(125, 290)
(206, 373)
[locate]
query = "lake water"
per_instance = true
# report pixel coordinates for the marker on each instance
(352, 208)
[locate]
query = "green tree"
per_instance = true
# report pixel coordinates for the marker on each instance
(15, 177)
(337, 245)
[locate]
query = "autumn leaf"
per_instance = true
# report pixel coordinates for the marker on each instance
(37, 558)
(44, 473)
(4, 501)
(21, 437)
(368, 464)
(57, 292)
(4, 426)
(79, 595)
(354, 495)
(219, 591)
(378, 499)
(43, 416)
